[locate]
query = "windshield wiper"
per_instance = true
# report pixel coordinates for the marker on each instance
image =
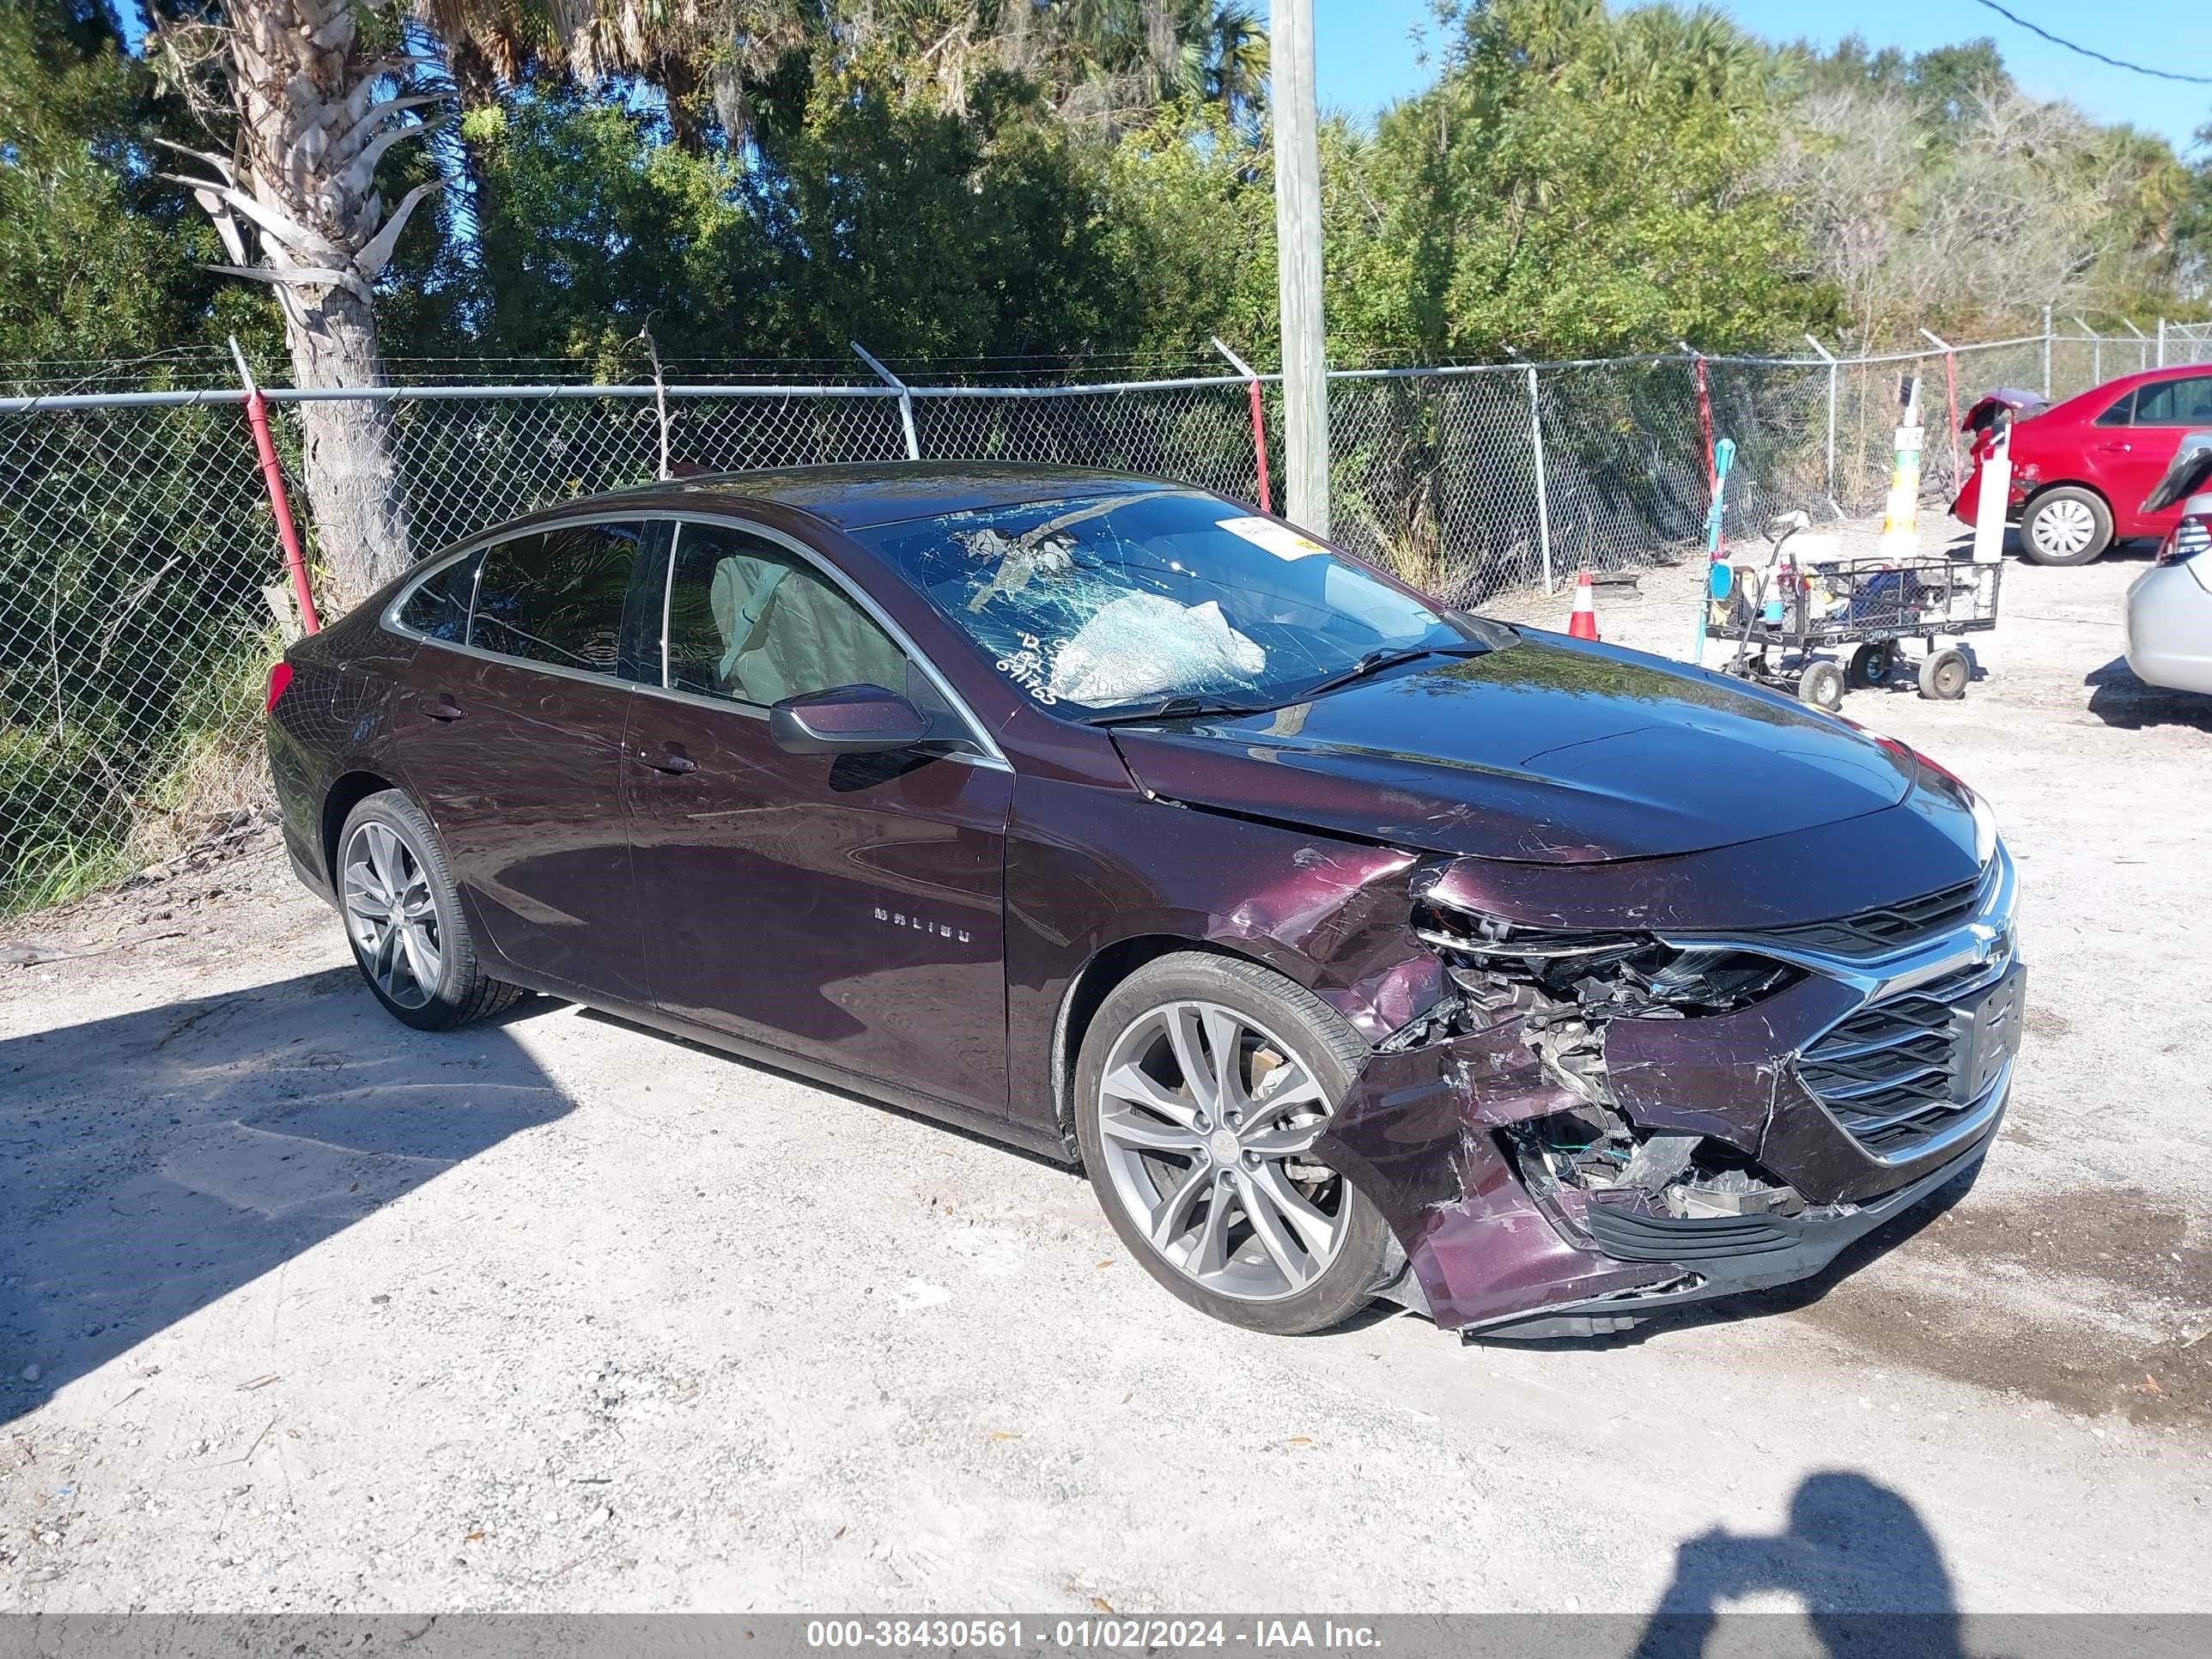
(1376, 661)
(1174, 708)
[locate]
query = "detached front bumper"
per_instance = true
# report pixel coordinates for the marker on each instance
(1864, 1087)
(1720, 1258)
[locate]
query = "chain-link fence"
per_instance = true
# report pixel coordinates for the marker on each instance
(138, 542)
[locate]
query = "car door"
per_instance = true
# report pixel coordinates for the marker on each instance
(846, 908)
(512, 741)
(2133, 458)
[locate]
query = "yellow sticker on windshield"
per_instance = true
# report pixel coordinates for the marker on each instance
(1278, 539)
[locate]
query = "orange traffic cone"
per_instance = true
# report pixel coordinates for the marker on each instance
(1582, 625)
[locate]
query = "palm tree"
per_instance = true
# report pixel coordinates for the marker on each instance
(1232, 59)
(314, 93)
(314, 107)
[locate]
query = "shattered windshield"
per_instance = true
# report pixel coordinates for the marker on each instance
(1120, 602)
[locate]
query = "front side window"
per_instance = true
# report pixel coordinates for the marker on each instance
(439, 606)
(556, 596)
(752, 622)
(2175, 403)
(1120, 601)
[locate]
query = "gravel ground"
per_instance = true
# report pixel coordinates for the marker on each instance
(299, 1310)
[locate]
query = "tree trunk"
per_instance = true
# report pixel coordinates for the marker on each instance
(353, 483)
(297, 207)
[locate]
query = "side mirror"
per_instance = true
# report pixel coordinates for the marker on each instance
(846, 720)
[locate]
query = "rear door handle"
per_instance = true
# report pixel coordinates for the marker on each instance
(445, 709)
(2116, 448)
(670, 761)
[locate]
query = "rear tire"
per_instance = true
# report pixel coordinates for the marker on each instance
(403, 919)
(1238, 1220)
(2066, 526)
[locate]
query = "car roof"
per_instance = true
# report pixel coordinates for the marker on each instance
(2123, 382)
(858, 495)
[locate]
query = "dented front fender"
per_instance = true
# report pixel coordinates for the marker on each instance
(1415, 1135)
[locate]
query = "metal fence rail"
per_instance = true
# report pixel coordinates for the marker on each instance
(137, 539)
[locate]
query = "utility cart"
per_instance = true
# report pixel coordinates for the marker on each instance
(1789, 622)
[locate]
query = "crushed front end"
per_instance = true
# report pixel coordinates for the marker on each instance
(1592, 1124)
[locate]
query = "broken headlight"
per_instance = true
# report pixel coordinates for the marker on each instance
(1603, 974)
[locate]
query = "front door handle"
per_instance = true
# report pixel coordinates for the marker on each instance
(445, 709)
(671, 761)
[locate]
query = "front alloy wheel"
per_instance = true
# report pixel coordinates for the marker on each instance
(1207, 1083)
(1208, 1126)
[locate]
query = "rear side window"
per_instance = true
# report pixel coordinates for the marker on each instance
(556, 596)
(2120, 414)
(439, 606)
(752, 622)
(2175, 403)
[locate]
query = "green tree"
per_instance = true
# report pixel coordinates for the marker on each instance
(1937, 194)
(95, 260)
(1578, 184)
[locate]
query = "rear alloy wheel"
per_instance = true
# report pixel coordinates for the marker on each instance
(1203, 1085)
(402, 918)
(1944, 674)
(2066, 525)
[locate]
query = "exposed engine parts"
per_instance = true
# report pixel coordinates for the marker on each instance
(1565, 988)
(1683, 1176)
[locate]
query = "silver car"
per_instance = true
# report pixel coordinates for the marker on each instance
(2169, 614)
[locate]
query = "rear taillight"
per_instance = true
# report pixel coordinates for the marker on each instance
(279, 675)
(2192, 535)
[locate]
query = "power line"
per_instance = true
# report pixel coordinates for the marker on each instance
(2089, 52)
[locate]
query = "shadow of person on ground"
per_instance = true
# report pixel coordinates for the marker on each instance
(1857, 1554)
(2120, 699)
(152, 1161)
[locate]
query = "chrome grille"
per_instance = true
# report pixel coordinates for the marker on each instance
(1888, 928)
(1890, 1074)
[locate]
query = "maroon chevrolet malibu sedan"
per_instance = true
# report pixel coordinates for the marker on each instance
(1355, 947)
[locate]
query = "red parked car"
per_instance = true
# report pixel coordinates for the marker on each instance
(2080, 469)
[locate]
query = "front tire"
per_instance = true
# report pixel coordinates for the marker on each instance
(2066, 526)
(402, 918)
(1204, 1082)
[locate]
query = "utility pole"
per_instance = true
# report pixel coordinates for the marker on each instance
(1297, 264)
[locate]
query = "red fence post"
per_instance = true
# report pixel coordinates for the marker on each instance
(1259, 420)
(1951, 377)
(1705, 422)
(272, 475)
(1260, 447)
(272, 479)
(1951, 386)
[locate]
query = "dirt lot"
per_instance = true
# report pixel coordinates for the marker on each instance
(301, 1310)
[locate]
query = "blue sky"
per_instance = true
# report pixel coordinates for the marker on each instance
(1364, 57)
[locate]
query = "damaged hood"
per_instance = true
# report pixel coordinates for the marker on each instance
(1550, 750)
